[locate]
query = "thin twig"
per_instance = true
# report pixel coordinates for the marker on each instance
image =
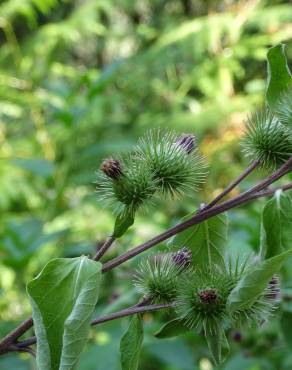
(106, 245)
(269, 192)
(245, 197)
(282, 171)
(232, 185)
(112, 316)
(15, 334)
(130, 311)
(16, 348)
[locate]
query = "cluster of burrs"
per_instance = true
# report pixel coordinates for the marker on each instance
(200, 295)
(162, 164)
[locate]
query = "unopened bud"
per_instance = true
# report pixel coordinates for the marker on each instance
(187, 142)
(208, 296)
(182, 258)
(236, 336)
(274, 291)
(112, 168)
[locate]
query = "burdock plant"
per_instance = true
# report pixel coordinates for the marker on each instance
(174, 161)
(157, 278)
(195, 278)
(267, 140)
(125, 185)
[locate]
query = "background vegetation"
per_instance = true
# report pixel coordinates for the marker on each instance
(81, 79)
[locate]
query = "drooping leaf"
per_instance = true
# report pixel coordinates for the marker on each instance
(217, 342)
(279, 75)
(131, 344)
(63, 297)
(172, 329)
(276, 230)
(206, 240)
(254, 281)
(123, 222)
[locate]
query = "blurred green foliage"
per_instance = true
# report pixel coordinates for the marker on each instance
(81, 79)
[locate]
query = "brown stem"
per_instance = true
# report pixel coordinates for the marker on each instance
(245, 197)
(16, 348)
(112, 316)
(233, 184)
(283, 170)
(130, 311)
(106, 245)
(15, 334)
(269, 192)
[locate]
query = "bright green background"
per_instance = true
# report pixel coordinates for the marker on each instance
(82, 79)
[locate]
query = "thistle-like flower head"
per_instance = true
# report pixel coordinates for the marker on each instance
(174, 162)
(202, 296)
(156, 278)
(125, 185)
(267, 140)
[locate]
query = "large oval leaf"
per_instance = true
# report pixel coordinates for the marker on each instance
(276, 231)
(63, 297)
(279, 76)
(206, 240)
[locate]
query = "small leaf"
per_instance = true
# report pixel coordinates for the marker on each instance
(171, 329)
(63, 297)
(254, 281)
(131, 344)
(123, 222)
(217, 342)
(279, 76)
(206, 240)
(276, 230)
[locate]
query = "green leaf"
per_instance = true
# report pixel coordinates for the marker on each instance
(254, 281)
(131, 344)
(279, 76)
(22, 239)
(123, 222)
(63, 297)
(36, 166)
(217, 342)
(172, 329)
(206, 240)
(276, 230)
(171, 354)
(286, 324)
